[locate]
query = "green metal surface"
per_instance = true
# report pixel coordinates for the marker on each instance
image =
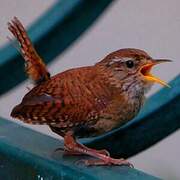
(26, 154)
(52, 34)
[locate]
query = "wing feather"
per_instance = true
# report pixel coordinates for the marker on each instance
(67, 99)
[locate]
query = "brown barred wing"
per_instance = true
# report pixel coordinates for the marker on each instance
(45, 109)
(70, 99)
(42, 109)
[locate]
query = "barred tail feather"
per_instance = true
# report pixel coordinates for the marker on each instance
(35, 67)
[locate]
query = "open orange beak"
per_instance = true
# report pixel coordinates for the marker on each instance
(145, 71)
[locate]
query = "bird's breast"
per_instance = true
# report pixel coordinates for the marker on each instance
(118, 112)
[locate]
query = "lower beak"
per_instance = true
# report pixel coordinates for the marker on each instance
(145, 71)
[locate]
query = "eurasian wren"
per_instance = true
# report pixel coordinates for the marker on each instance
(85, 101)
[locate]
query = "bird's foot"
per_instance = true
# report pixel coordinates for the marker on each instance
(109, 162)
(102, 156)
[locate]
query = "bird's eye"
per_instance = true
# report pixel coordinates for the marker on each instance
(130, 64)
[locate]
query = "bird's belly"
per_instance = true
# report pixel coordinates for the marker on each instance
(116, 118)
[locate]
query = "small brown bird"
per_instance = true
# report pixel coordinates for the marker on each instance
(85, 101)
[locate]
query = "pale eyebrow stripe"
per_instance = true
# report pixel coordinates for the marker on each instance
(117, 59)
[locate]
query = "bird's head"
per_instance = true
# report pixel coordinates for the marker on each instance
(133, 66)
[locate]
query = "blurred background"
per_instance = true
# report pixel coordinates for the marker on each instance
(150, 25)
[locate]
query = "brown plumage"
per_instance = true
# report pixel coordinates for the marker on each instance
(35, 67)
(85, 101)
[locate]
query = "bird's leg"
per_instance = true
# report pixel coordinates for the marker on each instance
(70, 152)
(71, 145)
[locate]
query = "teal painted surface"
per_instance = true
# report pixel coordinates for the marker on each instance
(52, 34)
(26, 154)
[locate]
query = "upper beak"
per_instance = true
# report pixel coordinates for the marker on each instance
(145, 71)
